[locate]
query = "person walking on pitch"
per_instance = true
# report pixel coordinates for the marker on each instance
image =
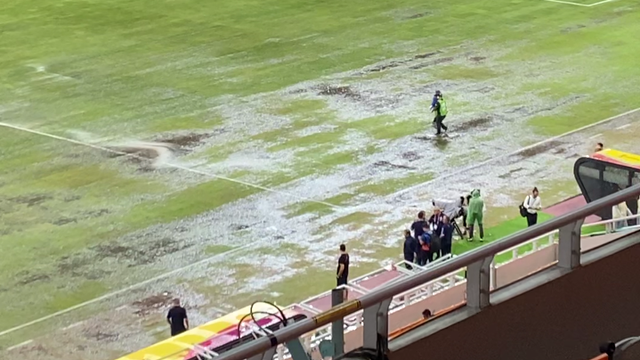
(441, 113)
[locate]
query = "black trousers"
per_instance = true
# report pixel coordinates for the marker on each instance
(410, 258)
(342, 280)
(446, 248)
(532, 219)
(421, 260)
(175, 332)
(471, 231)
(434, 254)
(439, 125)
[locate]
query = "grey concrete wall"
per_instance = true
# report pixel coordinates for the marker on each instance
(564, 319)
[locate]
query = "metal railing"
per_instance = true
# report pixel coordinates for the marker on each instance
(477, 262)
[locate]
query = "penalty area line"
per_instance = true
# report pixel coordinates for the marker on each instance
(175, 166)
(516, 152)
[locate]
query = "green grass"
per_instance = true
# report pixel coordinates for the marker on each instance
(456, 72)
(510, 227)
(497, 232)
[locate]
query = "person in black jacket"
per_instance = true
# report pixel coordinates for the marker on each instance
(446, 236)
(410, 248)
(418, 225)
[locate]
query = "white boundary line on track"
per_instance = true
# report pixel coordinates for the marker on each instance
(175, 166)
(203, 261)
(485, 162)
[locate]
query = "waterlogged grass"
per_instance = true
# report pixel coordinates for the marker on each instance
(140, 67)
(457, 72)
(356, 218)
(392, 185)
(217, 249)
(299, 107)
(318, 208)
(309, 140)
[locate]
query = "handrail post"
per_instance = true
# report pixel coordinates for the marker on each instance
(569, 245)
(478, 283)
(376, 326)
(337, 327)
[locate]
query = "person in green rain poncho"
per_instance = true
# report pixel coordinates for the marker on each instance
(475, 212)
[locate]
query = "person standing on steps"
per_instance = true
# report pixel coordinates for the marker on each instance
(533, 204)
(475, 214)
(342, 273)
(441, 113)
(177, 318)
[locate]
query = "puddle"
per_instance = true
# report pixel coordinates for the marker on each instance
(31, 200)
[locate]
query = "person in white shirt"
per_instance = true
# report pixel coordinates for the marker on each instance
(621, 211)
(533, 204)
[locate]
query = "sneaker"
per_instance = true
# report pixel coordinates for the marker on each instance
(481, 240)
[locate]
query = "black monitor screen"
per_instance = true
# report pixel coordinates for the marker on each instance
(598, 179)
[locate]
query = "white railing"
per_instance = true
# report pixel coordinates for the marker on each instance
(477, 262)
(420, 293)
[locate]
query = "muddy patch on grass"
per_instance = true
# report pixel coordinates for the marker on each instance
(101, 336)
(342, 90)
(411, 156)
(64, 221)
(185, 140)
(152, 303)
(572, 28)
(418, 15)
(477, 58)
(383, 67)
(143, 254)
(539, 149)
(510, 173)
(389, 166)
(31, 200)
(480, 123)
(432, 63)
(28, 278)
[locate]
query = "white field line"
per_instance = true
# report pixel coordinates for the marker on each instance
(20, 345)
(595, 136)
(488, 161)
(601, 2)
(578, 4)
(175, 166)
(568, 3)
(125, 290)
(623, 127)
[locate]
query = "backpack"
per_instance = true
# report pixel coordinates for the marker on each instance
(523, 210)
